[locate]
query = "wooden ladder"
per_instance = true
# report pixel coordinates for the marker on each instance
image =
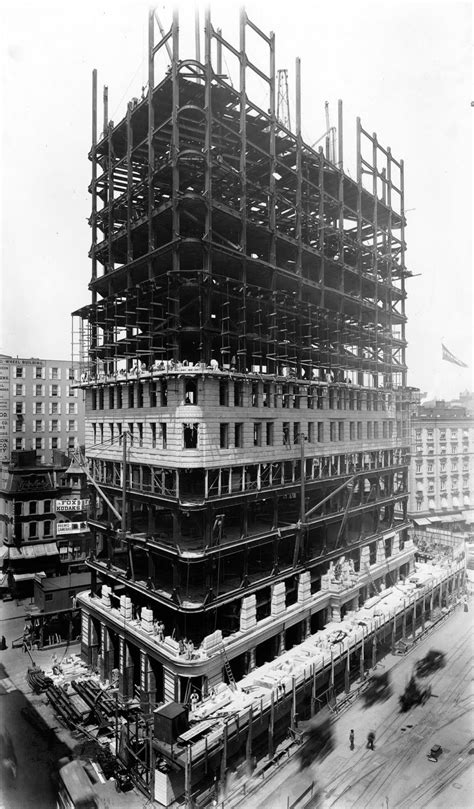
(228, 669)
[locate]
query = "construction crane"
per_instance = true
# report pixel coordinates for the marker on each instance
(330, 135)
(283, 100)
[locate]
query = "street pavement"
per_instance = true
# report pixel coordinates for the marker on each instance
(37, 751)
(397, 773)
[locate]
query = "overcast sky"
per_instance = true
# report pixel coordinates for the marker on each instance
(404, 68)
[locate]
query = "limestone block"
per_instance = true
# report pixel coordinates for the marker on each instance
(304, 587)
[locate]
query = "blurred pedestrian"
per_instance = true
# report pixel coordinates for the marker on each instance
(370, 740)
(351, 739)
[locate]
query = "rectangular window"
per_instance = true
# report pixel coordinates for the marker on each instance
(164, 393)
(19, 443)
(320, 432)
(286, 433)
(296, 396)
(140, 433)
(296, 432)
(190, 435)
(340, 430)
(153, 435)
(254, 394)
(224, 393)
(54, 390)
(19, 372)
(269, 431)
(111, 431)
(359, 430)
(153, 394)
(55, 443)
(310, 432)
(101, 399)
(38, 426)
(38, 372)
(384, 429)
(54, 408)
(332, 431)
(239, 435)
(257, 434)
(54, 373)
(53, 425)
(71, 442)
(310, 399)
(47, 506)
(131, 396)
(47, 528)
(139, 394)
(70, 391)
(39, 443)
(32, 530)
(71, 426)
(19, 390)
(18, 425)
(19, 408)
(224, 436)
(390, 429)
(352, 430)
(267, 395)
(376, 429)
(369, 429)
(164, 441)
(119, 397)
(111, 397)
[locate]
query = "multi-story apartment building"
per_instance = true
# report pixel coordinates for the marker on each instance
(41, 409)
(442, 465)
(243, 359)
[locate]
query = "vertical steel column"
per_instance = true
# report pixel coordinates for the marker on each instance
(94, 180)
(248, 742)
(340, 136)
(389, 279)
(272, 178)
(129, 182)
(313, 691)
(242, 352)
(271, 726)
(105, 100)
(175, 190)
(402, 265)
(360, 348)
(151, 125)
(110, 197)
(206, 289)
(375, 257)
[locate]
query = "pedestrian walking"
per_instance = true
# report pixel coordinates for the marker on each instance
(351, 739)
(370, 740)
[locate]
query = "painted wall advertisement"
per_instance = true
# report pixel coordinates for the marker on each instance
(4, 411)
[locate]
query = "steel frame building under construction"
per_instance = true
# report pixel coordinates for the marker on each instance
(243, 358)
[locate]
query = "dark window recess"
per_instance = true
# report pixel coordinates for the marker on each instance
(119, 397)
(164, 393)
(238, 394)
(372, 553)
(224, 392)
(190, 392)
(224, 436)
(190, 436)
(101, 398)
(131, 396)
(139, 395)
(111, 398)
(239, 435)
(153, 395)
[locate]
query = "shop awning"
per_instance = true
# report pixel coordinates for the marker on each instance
(29, 551)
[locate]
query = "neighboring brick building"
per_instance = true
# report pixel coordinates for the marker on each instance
(40, 408)
(442, 467)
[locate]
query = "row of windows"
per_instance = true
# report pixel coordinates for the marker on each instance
(442, 434)
(54, 408)
(239, 394)
(33, 507)
(443, 484)
(233, 435)
(40, 390)
(430, 466)
(40, 372)
(32, 529)
(54, 443)
(39, 425)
